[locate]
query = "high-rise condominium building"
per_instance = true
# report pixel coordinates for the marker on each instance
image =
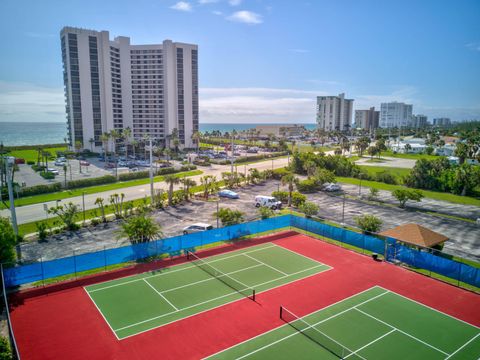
(395, 114)
(419, 121)
(367, 119)
(151, 89)
(441, 122)
(334, 112)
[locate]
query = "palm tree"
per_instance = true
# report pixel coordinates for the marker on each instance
(187, 184)
(196, 136)
(171, 180)
(91, 141)
(105, 138)
(209, 183)
(115, 135)
(140, 229)
(126, 135)
(78, 145)
(310, 166)
(291, 181)
(134, 146)
(145, 139)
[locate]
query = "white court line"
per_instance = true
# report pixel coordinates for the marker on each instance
(298, 254)
(261, 262)
(431, 308)
(104, 318)
(312, 325)
(403, 332)
(207, 301)
(278, 327)
(210, 279)
(159, 293)
(174, 271)
(370, 343)
(461, 347)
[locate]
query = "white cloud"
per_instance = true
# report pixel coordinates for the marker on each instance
(235, 2)
(216, 12)
(182, 6)
(203, 2)
(29, 102)
(475, 46)
(247, 17)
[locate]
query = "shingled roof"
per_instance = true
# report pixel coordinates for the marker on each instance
(416, 235)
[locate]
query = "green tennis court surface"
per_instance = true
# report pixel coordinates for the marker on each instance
(375, 324)
(142, 302)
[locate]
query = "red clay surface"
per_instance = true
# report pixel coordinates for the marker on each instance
(61, 322)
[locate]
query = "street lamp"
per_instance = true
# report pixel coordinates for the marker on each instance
(217, 212)
(360, 186)
(343, 210)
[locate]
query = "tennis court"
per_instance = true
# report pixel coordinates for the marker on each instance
(374, 324)
(142, 302)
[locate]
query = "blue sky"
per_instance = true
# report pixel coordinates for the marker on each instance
(263, 60)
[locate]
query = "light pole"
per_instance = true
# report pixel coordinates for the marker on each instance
(232, 159)
(343, 210)
(11, 199)
(360, 186)
(151, 174)
(83, 206)
(217, 212)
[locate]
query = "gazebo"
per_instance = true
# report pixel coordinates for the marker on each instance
(417, 235)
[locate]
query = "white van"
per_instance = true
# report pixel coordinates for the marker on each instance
(268, 201)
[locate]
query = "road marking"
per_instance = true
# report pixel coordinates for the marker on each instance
(403, 332)
(159, 293)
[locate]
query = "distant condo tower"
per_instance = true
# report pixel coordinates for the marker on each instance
(151, 89)
(334, 113)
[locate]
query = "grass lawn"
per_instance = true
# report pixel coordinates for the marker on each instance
(399, 173)
(410, 156)
(31, 155)
(93, 189)
(457, 199)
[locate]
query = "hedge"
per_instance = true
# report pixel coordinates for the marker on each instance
(40, 189)
(107, 179)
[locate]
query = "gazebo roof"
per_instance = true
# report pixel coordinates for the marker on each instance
(416, 235)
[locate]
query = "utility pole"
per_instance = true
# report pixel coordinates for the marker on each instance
(83, 206)
(11, 199)
(151, 174)
(217, 212)
(232, 159)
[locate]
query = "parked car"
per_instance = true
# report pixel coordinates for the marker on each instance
(53, 171)
(332, 187)
(84, 163)
(197, 227)
(268, 201)
(122, 164)
(228, 194)
(59, 163)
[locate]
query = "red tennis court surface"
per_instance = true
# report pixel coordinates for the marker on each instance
(61, 322)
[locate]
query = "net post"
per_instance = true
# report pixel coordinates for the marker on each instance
(281, 312)
(253, 294)
(188, 254)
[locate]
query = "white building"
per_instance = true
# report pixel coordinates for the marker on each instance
(151, 89)
(334, 112)
(280, 130)
(395, 114)
(442, 122)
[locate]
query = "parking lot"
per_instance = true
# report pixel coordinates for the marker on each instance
(464, 237)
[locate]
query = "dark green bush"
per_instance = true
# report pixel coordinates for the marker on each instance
(281, 196)
(47, 175)
(30, 162)
(386, 177)
(279, 173)
(307, 186)
(40, 189)
(107, 179)
(298, 199)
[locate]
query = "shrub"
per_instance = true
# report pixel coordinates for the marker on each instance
(37, 168)
(265, 212)
(47, 175)
(281, 196)
(7, 240)
(309, 208)
(386, 177)
(5, 349)
(368, 223)
(30, 162)
(134, 175)
(279, 173)
(373, 194)
(229, 216)
(140, 229)
(107, 179)
(307, 186)
(42, 230)
(66, 214)
(298, 199)
(403, 195)
(40, 189)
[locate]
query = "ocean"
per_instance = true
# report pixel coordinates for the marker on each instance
(34, 133)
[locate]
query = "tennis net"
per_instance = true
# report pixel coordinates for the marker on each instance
(236, 285)
(322, 339)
